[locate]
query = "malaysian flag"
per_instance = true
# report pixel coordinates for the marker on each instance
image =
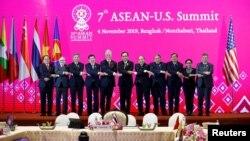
(230, 66)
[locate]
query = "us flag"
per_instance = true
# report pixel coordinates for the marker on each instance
(230, 66)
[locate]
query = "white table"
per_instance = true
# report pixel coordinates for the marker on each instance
(61, 133)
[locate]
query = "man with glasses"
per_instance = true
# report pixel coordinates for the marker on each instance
(92, 84)
(62, 83)
(125, 82)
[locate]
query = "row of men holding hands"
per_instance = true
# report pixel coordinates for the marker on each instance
(154, 76)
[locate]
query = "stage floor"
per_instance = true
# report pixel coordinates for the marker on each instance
(31, 119)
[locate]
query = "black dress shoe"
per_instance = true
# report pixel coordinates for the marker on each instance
(200, 114)
(141, 114)
(43, 114)
(49, 114)
(80, 114)
(207, 114)
(57, 114)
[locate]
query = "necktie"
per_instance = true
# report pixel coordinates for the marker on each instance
(109, 63)
(47, 65)
(125, 64)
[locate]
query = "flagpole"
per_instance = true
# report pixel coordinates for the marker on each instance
(14, 96)
(3, 97)
(24, 95)
(233, 111)
(35, 99)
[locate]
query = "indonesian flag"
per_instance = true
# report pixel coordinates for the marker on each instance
(25, 63)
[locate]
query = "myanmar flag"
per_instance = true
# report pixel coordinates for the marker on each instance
(3, 55)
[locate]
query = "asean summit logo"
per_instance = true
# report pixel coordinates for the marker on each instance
(81, 14)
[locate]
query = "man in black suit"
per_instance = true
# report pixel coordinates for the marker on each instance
(158, 69)
(204, 72)
(125, 82)
(142, 82)
(92, 83)
(46, 85)
(62, 83)
(76, 83)
(174, 82)
(108, 69)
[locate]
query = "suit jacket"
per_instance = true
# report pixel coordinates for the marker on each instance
(142, 78)
(62, 80)
(93, 72)
(158, 77)
(44, 72)
(207, 80)
(76, 80)
(190, 82)
(174, 79)
(109, 69)
(126, 79)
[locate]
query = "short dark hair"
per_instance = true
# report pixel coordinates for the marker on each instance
(124, 52)
(204, 54)
(91, 55)
(174, 54)
(45, 56)
(158, 55)
(189, 60)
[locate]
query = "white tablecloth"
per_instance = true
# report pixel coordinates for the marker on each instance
(61, 133)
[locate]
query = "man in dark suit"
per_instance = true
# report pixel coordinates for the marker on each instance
(108, 69)
(158, 69)
(125, 82)
(46, 71)
(62, 83)
(142, 82)
(76, 83)
(204, 72)
(92, 84)
(174, 82)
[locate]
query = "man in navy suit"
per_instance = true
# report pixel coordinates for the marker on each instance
(46, 85)
(204, 72)
(92, 84)
(76, 83)
(125, 82)
(174, 82)
(158, 68)
(142, 82)
(109, 71)
(62, 83)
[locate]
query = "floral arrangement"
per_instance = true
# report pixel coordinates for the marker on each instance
(193, 132)
(105, 124)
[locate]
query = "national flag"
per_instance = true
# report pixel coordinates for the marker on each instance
(36, 54)
(45, 46)
(114, 118)
(230, 66)
(25, 63)
(13, 59)
(176, 125)
(57, 48)
(3, 55)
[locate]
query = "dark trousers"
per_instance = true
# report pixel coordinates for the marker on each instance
(204, 92)
(61, 92)
(46, 93)
(106, 95)
(159, 93)
(125, 98)
(189, 98)
(92, 89)
(143, 91)
(79, 92)
(173, 98)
